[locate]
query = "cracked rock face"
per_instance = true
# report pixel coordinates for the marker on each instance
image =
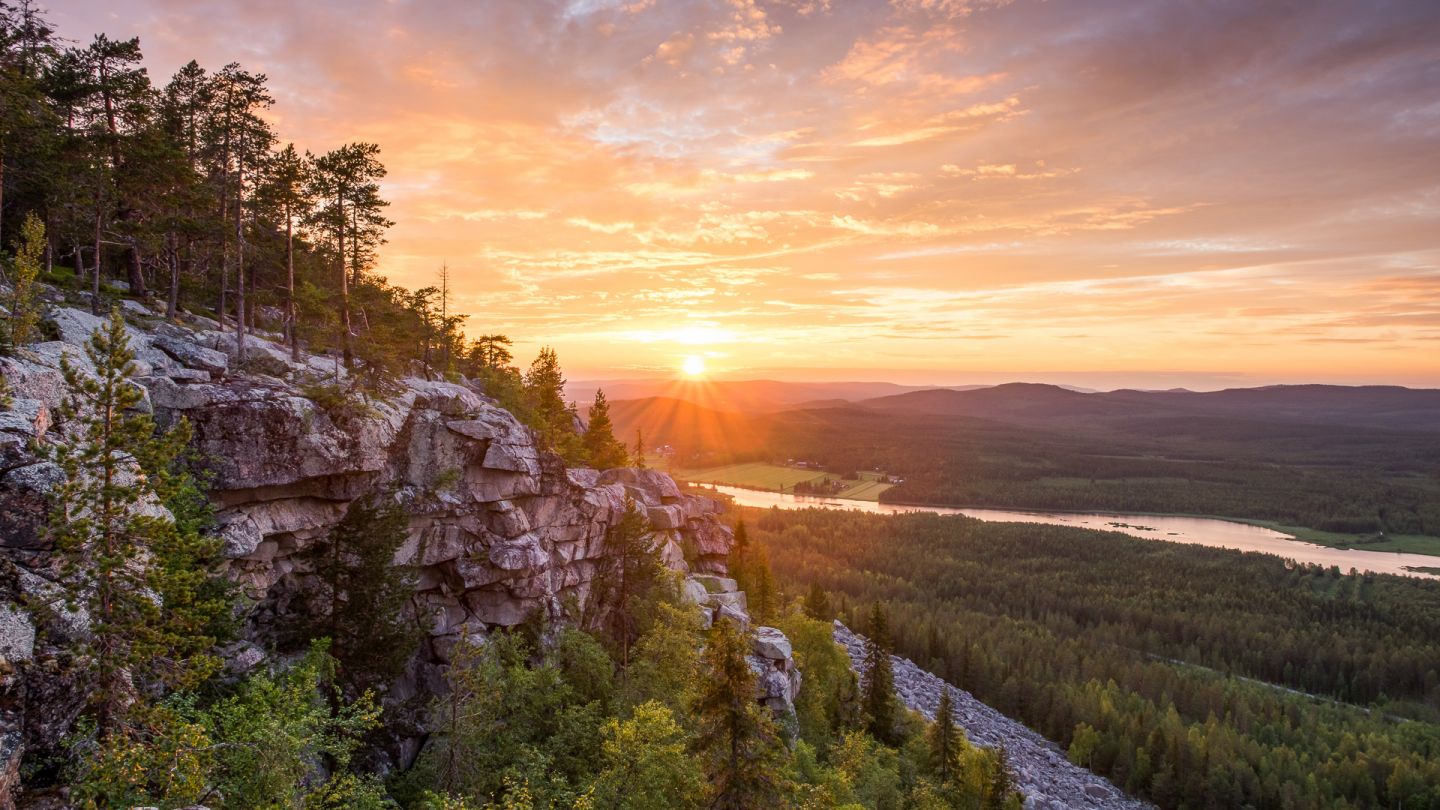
(498, 528)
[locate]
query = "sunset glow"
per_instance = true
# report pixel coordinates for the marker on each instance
(694, 366)
(1097, 193)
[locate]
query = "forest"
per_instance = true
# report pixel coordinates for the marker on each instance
(1193, 677)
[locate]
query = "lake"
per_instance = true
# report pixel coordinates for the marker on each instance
(1200, 531)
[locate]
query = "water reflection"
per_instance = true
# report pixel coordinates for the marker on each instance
(1200, 531)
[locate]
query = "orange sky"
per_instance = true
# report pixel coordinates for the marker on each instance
(1096, 192)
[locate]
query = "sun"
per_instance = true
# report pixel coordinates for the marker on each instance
(694, 366)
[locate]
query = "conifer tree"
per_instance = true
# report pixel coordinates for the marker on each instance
(878, 679)
(602, 450)
(120, 549)
(545, 398)
(944, 746)
(639, 453)
(766, 604)
(630, 573)
(1001, 790)
(345, 184)
(363, 597)
(285, 191)
(736, 739)
(24, 303)
(817, 604)
(739, 562)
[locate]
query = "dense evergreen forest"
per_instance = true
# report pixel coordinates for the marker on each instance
(1355, 480)
(1176, 670)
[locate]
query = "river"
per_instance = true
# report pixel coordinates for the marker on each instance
(1200, 531)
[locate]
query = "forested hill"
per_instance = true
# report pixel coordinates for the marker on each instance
(1382, 407)
(1351, 461)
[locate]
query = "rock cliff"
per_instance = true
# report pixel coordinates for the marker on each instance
(498, 529)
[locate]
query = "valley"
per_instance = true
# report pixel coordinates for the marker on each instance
(1334, 466)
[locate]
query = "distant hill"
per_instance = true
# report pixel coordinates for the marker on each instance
(1391, 407)
(743, 396)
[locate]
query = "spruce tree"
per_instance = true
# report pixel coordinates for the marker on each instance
(545, 403)
(602, 450)
(628, 576)
(878, 679)
(1001, 790)
(766, 593)
(362, 604)
(817, 604)
(944, 745)
(739, 562)
(736, 739)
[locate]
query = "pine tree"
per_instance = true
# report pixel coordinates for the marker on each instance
(362, 604)
(285, 192)
(639, 452)
(944, 745)
(120, 550)
(878, 679)
(736, 739)
(602, 450)
(345, 183)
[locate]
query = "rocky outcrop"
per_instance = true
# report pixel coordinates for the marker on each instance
(498, 529)
(1048, 780)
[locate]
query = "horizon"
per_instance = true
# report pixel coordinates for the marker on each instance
(582, 390)
(799, 186)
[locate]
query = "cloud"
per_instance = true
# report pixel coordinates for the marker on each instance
(1244, 186)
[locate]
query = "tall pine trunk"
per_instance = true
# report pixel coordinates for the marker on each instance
(172, 299)
(95, 278)
(240, 254)
(344, 288)
(292, 322)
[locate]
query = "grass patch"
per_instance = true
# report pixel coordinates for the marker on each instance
(774, 477)
(1406, 543)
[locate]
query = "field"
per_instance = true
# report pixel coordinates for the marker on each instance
(775, 477)
(1406, 543)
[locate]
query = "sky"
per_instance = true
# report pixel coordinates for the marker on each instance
(1093, 192)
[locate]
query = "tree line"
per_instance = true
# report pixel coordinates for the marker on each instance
(114, 185)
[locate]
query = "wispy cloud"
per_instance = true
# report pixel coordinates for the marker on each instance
(901, 184)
